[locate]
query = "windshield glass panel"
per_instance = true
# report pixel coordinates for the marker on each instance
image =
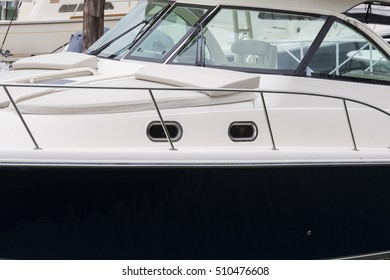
(170, 32)
(119, 38)
(252, 39)
(346, 53)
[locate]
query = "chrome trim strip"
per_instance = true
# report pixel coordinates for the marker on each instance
(372, 256)
(185, 165)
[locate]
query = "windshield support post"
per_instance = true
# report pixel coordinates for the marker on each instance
(301, 70)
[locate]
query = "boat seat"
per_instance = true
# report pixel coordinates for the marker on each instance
(254, 54)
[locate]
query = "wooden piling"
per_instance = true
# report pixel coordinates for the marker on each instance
(93, 22)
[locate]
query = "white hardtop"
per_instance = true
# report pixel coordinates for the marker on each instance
(335, 6)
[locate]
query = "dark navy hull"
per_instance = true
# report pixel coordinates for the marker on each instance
(194, 212)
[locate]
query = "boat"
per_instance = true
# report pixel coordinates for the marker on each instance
(375, 14)
(202, 129)
(39, 27)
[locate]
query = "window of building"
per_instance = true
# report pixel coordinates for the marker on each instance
(71, 8)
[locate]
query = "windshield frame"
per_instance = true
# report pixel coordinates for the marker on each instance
(293, 72)
(209, 11)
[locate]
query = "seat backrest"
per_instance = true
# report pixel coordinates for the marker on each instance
(249, 52)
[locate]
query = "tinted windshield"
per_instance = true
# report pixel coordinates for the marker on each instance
(120, 38)
(344, 53)
(253, 39)
(246, 39)
(170, 32)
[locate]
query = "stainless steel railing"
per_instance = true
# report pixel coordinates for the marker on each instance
(343, 99)
(150, 90)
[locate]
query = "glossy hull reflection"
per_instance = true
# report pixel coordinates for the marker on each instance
(194, 213)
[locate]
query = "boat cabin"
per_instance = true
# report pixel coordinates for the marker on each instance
(255, 38)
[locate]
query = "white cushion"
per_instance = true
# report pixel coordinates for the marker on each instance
(92, 101)
(199, 77)
(57, 61)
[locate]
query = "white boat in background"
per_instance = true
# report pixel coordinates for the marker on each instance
(202, 129)
(40, 26)
(374, 13)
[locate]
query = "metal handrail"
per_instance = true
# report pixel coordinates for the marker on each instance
(343, 99)
(151, 89)
(21, 118)
(164, 126)
(350, 125)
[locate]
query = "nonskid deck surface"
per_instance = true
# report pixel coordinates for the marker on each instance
(194, 212)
